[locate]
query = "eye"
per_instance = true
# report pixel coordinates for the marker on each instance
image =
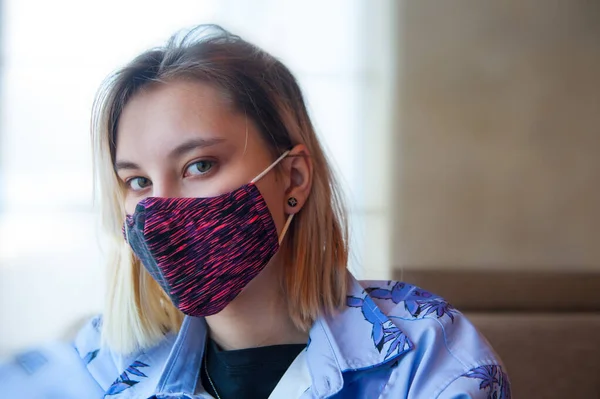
(199, 168)
(138, 183)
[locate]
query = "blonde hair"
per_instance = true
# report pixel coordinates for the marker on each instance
(138, 312)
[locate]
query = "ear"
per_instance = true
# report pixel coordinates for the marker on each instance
(299, 170)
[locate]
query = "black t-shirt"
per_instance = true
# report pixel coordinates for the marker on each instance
(246, 373)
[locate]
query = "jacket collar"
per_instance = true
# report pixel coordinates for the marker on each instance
(182, 369)
(358, 338)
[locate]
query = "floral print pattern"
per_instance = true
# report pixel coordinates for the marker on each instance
(418, 302)
(384, 331)
(493, 380)
(87, 359)
(31, 361)
(125, 381)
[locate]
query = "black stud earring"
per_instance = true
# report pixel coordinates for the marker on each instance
(292, 202)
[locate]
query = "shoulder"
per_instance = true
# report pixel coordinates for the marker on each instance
(428, 318)
(442, 339)
(88, 340)
(54, 367)
(134, 374)
(100, 361)
(487, 381)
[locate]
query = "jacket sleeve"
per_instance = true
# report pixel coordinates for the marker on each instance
(51, 371)
(483, 382)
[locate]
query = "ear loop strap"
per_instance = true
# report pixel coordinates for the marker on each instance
(260, 176)
(264, 172)
(285, 227)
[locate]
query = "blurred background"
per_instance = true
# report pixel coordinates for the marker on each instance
(466, 134)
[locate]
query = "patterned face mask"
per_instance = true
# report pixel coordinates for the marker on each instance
(204, 251)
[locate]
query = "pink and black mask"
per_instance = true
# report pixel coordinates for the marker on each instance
(204, 251)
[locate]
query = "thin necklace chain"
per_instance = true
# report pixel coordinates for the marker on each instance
(208, 375)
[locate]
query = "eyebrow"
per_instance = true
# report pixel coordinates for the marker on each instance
(177, 152)
(125, 165)
(191, 145)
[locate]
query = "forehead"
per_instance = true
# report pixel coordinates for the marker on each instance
(164, 114)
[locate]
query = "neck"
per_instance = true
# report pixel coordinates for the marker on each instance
(257, 317)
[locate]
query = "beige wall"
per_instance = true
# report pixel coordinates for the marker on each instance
(498, 141)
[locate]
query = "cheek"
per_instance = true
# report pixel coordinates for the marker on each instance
(130, 206)
(130, 201)
(273, 193)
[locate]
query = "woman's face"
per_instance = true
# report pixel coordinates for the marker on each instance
(182, 139)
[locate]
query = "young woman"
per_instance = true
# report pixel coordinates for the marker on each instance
(228, 276)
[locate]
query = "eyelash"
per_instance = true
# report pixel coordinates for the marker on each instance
(129, 181)
(212, 163)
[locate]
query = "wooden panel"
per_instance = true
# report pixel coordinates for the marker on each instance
(470, 290)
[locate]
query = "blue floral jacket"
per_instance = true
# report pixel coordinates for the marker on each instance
(393, 340)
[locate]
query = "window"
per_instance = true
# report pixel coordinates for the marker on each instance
(55, 54)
